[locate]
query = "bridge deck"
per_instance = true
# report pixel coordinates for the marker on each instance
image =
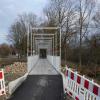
(43, 67)
(43, 83)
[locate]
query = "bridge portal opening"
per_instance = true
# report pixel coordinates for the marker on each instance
(43, 53)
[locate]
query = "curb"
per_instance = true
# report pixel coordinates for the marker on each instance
(12, 86)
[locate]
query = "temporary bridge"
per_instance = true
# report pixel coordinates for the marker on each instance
(44, 79)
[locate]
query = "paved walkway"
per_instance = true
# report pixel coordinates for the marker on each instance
(43, 83)
(43, 67)
(40, 87)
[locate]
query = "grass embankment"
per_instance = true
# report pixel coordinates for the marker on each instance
(13, 69)
(7, 61)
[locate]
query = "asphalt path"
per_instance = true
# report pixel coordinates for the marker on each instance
(40, 87)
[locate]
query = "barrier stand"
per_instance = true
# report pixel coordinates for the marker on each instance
(81, 88)
(2, 84)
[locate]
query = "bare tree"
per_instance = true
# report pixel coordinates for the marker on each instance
(96, 20)
(84, 13)
(18, 31)
(4, 50)
(61, 13)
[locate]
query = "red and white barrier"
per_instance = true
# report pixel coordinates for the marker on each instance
(81, 88)
(2, 83)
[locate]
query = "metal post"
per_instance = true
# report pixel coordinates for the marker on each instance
(53, 50)
(53, 46)
(34, 48)
(56, 45)
(60, 46)
(31, 43)
(27, 40)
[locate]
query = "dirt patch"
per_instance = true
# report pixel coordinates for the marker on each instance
(14, 71)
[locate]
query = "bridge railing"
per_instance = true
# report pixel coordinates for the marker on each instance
(55, 61)
(79, 87)
(32, 61)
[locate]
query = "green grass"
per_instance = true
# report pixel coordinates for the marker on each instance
(8, 61)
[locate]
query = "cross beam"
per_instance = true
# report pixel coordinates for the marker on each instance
(48, 28)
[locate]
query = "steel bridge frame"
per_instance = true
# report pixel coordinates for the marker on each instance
(30, 29)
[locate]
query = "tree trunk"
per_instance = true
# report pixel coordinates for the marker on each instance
(65, 55)
(80, 53)
(81, 24)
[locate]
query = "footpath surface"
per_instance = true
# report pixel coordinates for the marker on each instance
(40, 87)
(43, 84)
(43, 67)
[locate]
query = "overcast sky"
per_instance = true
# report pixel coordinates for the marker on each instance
(9, 9)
